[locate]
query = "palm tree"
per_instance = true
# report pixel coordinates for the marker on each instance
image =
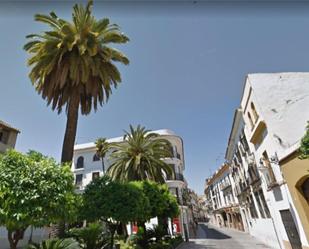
(139, 157)
(72, 65)
(102, 147)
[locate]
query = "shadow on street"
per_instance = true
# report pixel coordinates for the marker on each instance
(204, 232)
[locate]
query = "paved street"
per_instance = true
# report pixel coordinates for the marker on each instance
(211, 237)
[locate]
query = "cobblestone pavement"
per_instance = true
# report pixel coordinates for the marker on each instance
(211, 237)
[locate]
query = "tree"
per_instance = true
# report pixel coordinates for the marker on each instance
(162, 204)
(102, 147)
(114, 202)
(32, 192)
(304, 147)
(72, 65)
(139, 157)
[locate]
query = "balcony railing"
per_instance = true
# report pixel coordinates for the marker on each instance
(225, 185)
(177, 177)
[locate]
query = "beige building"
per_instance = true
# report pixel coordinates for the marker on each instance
(296, 174)
(8, 136)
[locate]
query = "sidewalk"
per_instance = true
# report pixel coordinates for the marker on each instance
(212, 237)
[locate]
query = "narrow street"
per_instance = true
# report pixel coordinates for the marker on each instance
(211, 237)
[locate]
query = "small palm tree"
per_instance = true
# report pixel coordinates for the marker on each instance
(57, 244)
(102, 147)
(139, 157)
(91, 237)
(72, 65)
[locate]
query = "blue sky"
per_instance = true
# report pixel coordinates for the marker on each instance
(188, 66)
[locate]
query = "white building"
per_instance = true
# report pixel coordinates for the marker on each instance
(86, 166)
(265, 135)
(222, 203)
(248, 185)
(275, 109)
(8, 136)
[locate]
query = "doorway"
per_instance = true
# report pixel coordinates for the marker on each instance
(291, 229)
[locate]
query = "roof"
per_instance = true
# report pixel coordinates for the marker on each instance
(235, 126)
(224, 167)
(8, 126)
(281, 99)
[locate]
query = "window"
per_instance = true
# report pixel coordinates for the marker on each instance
(266, 163)
(244, 141)
(95, 175)
(4, 136)
(237, 153)
(95, 157)
(256, 194)
(79, 180)
(250, 120)
(267, 213)
(252, 208)
(80, 163)
(254, 113)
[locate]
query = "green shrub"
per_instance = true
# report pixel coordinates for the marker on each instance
(126, 245)
(160, 245)
(68, 243)
(157, 232)
(91, 237)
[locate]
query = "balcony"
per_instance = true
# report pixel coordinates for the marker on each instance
(79, 188)
(244, 185)
(225, 185)
(250, 160)
(258, 131)
(266, 170)
(176, 177)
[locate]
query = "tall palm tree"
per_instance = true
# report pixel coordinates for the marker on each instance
(102, 147)
(72, 65)
(139, 157)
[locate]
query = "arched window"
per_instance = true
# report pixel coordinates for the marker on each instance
(80, 163)
(95, 157)
(305, 189)
(250, 120)
(254, 113)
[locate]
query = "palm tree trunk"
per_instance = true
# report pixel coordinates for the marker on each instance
(68, 143)
(103, 166)
(70, 130)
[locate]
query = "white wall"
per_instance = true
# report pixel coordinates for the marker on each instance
(280, 101)
(37, 236)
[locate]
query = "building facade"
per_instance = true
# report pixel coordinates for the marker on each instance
(222, 203)
(86, 166)
(8, 136)
(269, 181)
